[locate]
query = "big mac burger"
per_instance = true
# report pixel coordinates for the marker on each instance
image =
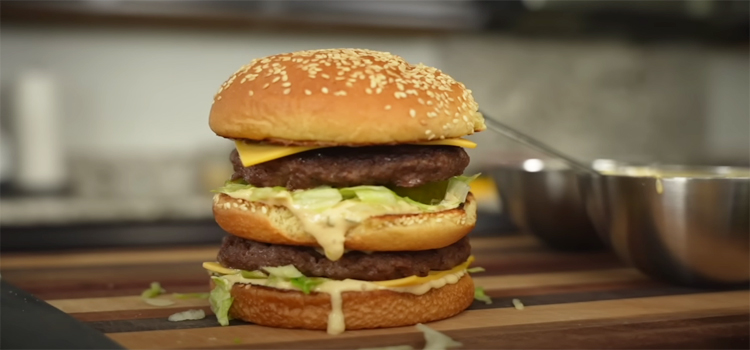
(348, 208)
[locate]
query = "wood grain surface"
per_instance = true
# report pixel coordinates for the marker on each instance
(572, 300)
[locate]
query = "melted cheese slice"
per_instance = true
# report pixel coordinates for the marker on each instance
(252, 154)
(433, 275)
(216, 267)
(401, 282)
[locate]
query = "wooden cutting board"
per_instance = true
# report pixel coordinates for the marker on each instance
(572, 300)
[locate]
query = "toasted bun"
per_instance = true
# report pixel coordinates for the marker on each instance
(342, 97)
(373, 309)
(407, 232)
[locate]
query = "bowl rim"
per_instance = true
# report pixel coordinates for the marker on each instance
(667, 172)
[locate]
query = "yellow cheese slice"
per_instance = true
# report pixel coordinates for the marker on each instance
(216, 267)
(449, 142)
(433, 275)
(401, 282)
(252, 154)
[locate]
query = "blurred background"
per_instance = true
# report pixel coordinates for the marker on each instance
(104, 117)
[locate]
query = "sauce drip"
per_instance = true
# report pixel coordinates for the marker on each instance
(336, 321)
(329, 226)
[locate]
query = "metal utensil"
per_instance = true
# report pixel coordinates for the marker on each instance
(691, 229)
(546, 201)
(529, 141)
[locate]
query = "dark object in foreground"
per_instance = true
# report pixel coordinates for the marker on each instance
(29, 323)
(250, 255)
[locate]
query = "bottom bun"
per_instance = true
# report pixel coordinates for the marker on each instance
(372, 309)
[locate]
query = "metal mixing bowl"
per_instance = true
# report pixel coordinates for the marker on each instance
(685, 225)
(543, 197)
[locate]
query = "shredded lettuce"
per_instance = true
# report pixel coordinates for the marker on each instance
(317, 198)
(435, 340)
(253, 274)
(158, 302)
(371, 194)
(430, 197)
(154, 291)
(221, 299)
(479, 295)
(518, 304)
(258, 192)
(187, 315)
(458, 188)
(284, 272)
(190, 295)
(475, 269)
(306, 284)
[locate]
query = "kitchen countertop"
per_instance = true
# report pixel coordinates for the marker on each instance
(572, 300)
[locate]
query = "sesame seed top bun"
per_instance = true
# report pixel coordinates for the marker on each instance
(342, 97)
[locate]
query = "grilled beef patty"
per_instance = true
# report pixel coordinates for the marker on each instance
(399, 165)
(240, 253)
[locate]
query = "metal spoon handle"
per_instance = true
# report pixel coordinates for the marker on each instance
(520, 137)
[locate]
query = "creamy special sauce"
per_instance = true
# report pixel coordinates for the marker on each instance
(329, 226)
(336, 322)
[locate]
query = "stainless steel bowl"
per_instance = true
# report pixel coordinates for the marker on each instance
(685, 225)
(543, 197)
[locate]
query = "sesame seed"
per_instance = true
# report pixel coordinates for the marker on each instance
(325, 90)
(412, 113)
(429, 103)
(250, 92)
(287, 91)
(340, 93)
(420, 100)
(368, 90)
(387, 107)
(383, 70)
(431, 114)
(308, 92)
